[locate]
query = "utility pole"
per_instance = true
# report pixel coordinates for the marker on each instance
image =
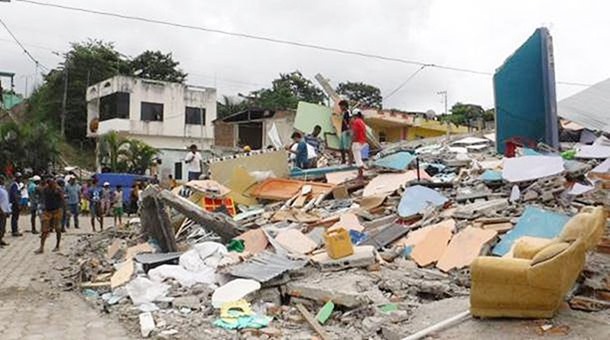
(444, 94)
(63, 103)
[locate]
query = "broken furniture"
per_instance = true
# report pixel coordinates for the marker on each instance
(589, 225)
(521, 288)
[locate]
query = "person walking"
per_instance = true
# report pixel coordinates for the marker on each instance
(53, 198)
(95, 206)
(359, 141)
(117, 207)
(15, 200)
(106, 198)
(193, 163)
(73, 195)
(5, 210)
(34, 193)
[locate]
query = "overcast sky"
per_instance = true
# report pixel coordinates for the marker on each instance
(473, 34)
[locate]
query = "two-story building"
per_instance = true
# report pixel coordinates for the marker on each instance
(167, 116)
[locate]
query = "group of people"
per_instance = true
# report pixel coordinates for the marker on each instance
(55, 200)
(352, 141)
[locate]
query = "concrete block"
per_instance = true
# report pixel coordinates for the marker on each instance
(147, 324)
(363, 256)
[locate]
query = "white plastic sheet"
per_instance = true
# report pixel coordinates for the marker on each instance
(233, 291)
(142, 290)
(186, 278)
(202, 256)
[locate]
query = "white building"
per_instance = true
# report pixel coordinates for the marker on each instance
(167, 116)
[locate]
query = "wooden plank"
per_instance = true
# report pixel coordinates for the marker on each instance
(464, 247)
(313, 322)
(432, 247)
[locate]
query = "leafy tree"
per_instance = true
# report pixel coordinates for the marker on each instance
(287, 91)
(20, 144)
(140, 156)
(121, 154)
(112, 151)
(464, 114)
(368, 96)
(84, 64)
(158, 66)
(229, 106)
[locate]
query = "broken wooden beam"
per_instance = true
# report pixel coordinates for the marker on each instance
(155, 220)
(219, 223)
(312, 322)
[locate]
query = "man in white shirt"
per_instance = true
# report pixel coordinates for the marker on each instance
(5, 211)
(193, 163)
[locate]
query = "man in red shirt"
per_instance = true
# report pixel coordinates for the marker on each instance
(358, 140)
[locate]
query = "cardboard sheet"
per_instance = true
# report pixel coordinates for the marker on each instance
(123, 275)
(283, 189)
(417, 236)
(527, 168)
(432, 247)
(255, 240)
(341, 177)
(274, 161)
(348, 222)
(371, 202)
(534, 222)
(239, 183)
(464, 247)
(295, 241)
(385, 184)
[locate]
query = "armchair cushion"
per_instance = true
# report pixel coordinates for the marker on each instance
(549, 252)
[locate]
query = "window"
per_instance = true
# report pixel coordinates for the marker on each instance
(114, 105)
(151, 112)
(382, 137)
(194, 116)
(178, 170)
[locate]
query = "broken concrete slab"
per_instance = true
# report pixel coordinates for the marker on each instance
(295, 241)
(363, 256)
(147, 324)
(349, 289)
(464, 247)
(474, 210)
(386, 235)
(192, 302)
(123, 275)
(396, 161)
(499, 227)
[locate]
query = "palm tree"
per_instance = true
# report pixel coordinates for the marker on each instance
(140, 156)
(112, 151)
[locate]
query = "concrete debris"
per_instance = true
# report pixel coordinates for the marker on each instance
(423, 211)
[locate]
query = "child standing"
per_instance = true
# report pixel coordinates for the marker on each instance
(118, 207)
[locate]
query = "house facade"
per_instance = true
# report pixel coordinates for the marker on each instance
(168, 116)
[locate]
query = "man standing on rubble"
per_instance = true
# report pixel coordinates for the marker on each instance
(359, 141)
(193, 163)
(53, 198)
(346, 133)
(5, 211)
(315, 141)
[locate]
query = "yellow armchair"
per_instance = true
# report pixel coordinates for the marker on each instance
(589, 224)
(523, 288)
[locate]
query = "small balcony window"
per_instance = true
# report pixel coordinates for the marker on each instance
(151, 112)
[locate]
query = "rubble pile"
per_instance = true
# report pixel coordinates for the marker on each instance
(265, 252)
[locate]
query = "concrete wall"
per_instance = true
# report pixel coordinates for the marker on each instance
(175, 98)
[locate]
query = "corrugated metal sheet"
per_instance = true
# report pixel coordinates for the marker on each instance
(589, 108)
(266, 266)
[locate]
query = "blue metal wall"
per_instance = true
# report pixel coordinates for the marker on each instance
(524, 90)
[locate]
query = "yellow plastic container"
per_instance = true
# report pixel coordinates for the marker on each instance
(338, 243)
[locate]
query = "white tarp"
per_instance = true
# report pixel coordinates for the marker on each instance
(527, 168)
(593, 151)
(589, 108)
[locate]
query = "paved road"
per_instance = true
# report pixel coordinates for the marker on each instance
(30, 308)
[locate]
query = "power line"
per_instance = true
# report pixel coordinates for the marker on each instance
(22, 47)
(405, 82)
(256, 37)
